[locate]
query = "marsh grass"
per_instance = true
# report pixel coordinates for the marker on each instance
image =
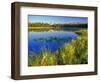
(45, 58)
(74, 52)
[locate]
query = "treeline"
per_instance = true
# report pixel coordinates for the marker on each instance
(56, 25)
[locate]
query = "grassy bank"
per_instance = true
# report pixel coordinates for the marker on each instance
(73, 53)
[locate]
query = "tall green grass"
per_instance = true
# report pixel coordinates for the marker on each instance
(76, 51)
(73, 53)
(45, 58)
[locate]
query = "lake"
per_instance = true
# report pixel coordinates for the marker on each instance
(48, 40)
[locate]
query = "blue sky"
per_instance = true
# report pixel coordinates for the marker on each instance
(56, 19)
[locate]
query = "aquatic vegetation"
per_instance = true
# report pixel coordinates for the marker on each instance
(75, 52)
(53, 39)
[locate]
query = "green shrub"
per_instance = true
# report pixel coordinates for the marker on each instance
(76, 51)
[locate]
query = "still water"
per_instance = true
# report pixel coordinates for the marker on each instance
(47, 40)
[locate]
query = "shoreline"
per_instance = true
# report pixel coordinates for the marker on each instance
(39, 29)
